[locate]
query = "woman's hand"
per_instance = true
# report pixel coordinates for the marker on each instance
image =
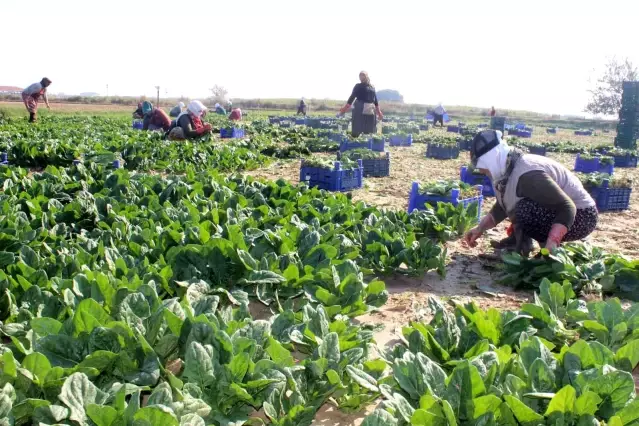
(471, 237)
(344, 109)
(556, 234)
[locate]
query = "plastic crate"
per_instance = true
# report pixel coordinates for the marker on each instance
(464, 144)
(520, 126)
(628, 160)
(400, 140)
(336, 179)
(336, 137)
(537, 150)
(138, 124)
(377, 167)
(285, 124)
(442, 152)
(611, 199)
(424, 126)
(498, 123)
(552, 131)
(453, 129)
(583, 133)
(232, 133)
(273, 120)
(300, 121)
(592, 166)
(429, 117)
(528, 129)
(520, 133)
(470, 178)
(418, 201)
(374, 145)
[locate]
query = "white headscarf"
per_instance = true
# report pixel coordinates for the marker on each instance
(495, 160)
(181, 105)
(196, 108)
(217, 106)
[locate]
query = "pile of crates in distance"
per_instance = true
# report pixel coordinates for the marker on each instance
(628, 127)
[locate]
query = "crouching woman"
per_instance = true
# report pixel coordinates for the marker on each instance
(544, 200)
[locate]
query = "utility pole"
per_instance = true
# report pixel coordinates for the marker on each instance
(107, 90)
(158, 98)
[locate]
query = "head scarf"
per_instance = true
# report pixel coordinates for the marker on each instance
(217, 106)
(45, 82)
(147, 107)
(366, 79)
(181, 105)
(488, 151)
(196, 108)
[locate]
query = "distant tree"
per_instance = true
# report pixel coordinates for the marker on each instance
(389, 95)
(219, 93)
(606, 98)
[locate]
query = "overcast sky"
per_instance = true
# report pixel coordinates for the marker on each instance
(535, 55)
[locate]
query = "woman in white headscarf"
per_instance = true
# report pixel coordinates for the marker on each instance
(544, 200)
(177, 110)
(189, 124)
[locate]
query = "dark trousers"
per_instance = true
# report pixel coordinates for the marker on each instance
(438, 118)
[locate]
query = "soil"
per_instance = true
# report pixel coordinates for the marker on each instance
(469, 274)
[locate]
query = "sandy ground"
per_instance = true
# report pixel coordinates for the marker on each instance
(468, 275)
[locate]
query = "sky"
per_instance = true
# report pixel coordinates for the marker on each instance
(532, 55)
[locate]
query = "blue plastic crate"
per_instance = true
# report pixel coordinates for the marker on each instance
(442, 152)
(453, 129)
(424, 126)
(538, 150)
(336, 137)
(377, 167)
(528, 129)
(520, 133)
(464, 144)
(138, 124)
(628, 160)
(285, 124)
(498, 123)
(418, 201)
(429, 117)
(482, 125)
(611, 199)
(470, 178)
(400, 140)
(273, 120)
(592, 166)
(233, 133)
(300, 121)
(583, 133)
(551, 130)
(3, 157)
(336, 179)
(446, 118)
(520, 126)
(374, 145)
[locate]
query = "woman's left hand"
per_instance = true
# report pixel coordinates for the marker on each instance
(555, 236)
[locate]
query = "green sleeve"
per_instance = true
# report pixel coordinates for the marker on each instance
(498, 213)
(539, 187)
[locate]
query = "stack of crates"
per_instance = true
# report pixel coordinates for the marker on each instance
(498, 123)
(628, 127)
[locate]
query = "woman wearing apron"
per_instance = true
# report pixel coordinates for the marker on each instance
(31, 97)
(366, 110)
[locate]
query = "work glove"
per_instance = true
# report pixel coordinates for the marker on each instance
(345, 108)
(555, 236)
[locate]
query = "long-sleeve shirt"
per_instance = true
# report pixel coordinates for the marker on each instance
(175, 111)
(35, 90)
(157, 118)
(364, 93)
(538, 186)
(439, 110)
(188, 126)
(236, 115)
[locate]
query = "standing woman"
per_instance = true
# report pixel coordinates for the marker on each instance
(366, 110)
(31, 96)
(542, 198)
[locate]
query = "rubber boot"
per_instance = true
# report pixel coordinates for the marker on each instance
(32, 117)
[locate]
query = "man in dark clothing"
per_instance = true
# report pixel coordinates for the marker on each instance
(302, 108)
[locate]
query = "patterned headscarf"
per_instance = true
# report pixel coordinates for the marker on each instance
(45, 82)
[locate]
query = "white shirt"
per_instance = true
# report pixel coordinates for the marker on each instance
(440, 110)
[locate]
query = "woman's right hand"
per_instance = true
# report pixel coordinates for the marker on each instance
(471, 237)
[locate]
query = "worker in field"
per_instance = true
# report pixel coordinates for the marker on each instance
(189, 124)
(493, 112)
(545, 201)
(177, 110)
(31, 97)
(229, 106)
(438, 115)
(301, 109)
(236, 114)
(154, 118)
(219, 109)
(366, 109)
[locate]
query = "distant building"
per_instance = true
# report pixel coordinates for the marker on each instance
(10, 90)
(89, 94)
